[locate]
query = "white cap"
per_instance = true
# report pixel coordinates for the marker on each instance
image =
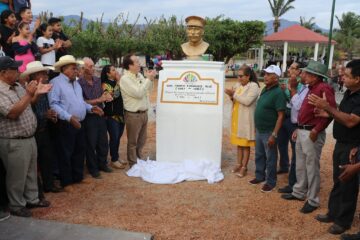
(273, 69)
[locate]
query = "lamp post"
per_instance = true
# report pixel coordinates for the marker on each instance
(330, 34)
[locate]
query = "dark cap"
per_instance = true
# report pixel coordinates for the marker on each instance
(53, 20)
(9, 63)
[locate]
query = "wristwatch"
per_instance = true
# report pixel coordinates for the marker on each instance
(274, 134)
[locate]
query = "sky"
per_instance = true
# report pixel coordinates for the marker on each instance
(235, 9)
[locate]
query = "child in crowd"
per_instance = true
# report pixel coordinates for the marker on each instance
(23, 47)
(47, 45)
(7, 31)
(59, 34)
(25, 15)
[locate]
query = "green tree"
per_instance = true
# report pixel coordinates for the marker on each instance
(278, 9)
(228, 37)
(348, 33)
(309, 24)
(163, 35)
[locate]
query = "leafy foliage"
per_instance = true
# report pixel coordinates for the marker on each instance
(113, 40)
(309, 24)
(228, 37)
(349, 33)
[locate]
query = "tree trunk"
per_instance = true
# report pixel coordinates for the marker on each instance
(276, 24)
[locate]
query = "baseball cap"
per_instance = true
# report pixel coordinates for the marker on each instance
(273, 69)
(7, 62)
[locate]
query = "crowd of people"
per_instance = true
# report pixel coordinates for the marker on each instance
(270, 118)
(56, 115)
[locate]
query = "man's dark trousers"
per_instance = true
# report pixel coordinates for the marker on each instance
(343, 196)
(96, 143)
(71, 152)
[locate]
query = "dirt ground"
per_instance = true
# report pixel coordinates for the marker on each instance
(231, 209)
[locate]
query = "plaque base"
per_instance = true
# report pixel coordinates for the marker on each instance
(189, 111)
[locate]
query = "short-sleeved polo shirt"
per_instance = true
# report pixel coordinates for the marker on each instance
(350, 104)
(271, 101)
(25, 124)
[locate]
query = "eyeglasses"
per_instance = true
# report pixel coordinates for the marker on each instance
(240, 76)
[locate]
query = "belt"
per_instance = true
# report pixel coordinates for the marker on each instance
(145, 111)
(305, 127)
(21, 137)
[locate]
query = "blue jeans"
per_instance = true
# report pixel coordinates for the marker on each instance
(265, 159)
(284, 138)
(115, 130)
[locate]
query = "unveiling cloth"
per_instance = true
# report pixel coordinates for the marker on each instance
(171, 173)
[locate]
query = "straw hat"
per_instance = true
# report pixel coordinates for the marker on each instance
(65, 60)
(34, 67)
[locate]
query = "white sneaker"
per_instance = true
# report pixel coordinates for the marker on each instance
(4, 215)
(118, 165)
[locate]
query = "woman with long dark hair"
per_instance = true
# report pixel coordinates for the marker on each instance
(114, 112)
(242, 125)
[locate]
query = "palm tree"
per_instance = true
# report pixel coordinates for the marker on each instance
(348, 32)
(309, 24)
(279, 8)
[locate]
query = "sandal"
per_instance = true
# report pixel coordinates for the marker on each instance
(236, 168)
(242, 173)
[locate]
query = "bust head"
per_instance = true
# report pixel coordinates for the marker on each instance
(194, 29)
(195, 46)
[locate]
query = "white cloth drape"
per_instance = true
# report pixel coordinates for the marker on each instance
(171, 173)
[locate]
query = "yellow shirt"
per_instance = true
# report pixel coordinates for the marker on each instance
(135, 91)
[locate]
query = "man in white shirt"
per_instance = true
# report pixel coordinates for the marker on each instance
(134, 89)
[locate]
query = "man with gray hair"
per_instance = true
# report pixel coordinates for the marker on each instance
(95, 126)
(66, 98)
(310, 138)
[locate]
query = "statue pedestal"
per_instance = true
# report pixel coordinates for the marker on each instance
(189, 111)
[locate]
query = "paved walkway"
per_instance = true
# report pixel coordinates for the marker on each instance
(16, 228)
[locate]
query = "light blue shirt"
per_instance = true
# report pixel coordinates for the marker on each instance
(296, 102)
(66, 98)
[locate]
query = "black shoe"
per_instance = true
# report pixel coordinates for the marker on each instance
(54, 189)
(307, 208)
(255, 181)
(355, 236)
(286, 189)
(282, 171)
(22, 212)
(41, 204)
(289, 196)
(96, 175)
(106, 169)
(324, 218)
(336, 229)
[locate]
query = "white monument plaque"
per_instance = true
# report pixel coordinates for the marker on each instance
(189, 111)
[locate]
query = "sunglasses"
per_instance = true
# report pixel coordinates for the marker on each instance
(240, 76)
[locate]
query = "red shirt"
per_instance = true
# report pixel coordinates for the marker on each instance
(306, 113)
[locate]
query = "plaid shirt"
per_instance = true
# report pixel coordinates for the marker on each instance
(25, 124)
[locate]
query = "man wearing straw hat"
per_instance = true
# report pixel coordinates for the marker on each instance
(66, 98)
(310, 138)
(18, 149)
(46, 152)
